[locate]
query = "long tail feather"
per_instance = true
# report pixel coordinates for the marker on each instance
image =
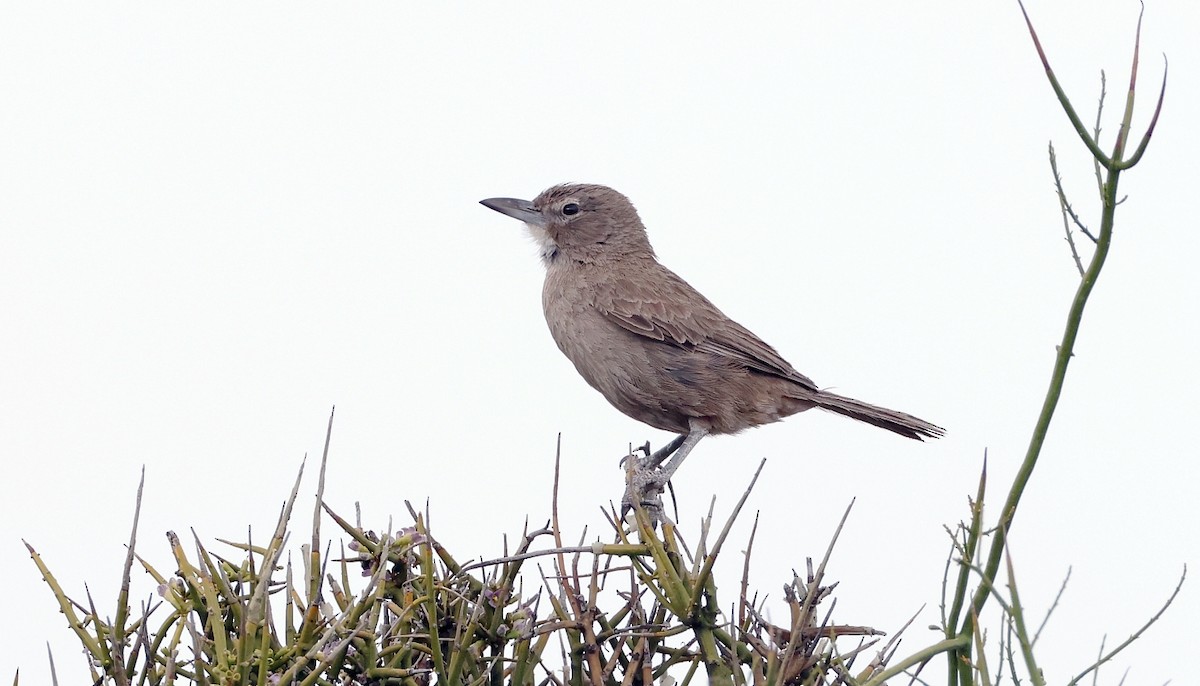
(899, 422)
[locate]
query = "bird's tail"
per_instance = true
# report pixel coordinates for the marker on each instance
(903, 424)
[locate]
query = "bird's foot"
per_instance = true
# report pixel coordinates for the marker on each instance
(644, 485)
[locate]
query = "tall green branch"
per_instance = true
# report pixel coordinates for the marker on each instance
(1113, 164)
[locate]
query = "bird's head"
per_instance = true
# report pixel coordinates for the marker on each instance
(579, 222)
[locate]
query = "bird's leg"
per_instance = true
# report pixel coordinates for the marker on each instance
(639, 476)
(664, 452)
(647, 480)
(686, 443)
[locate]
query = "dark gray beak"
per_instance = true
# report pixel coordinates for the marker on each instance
(517, 209)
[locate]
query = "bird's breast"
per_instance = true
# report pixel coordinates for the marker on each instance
(579, 328)
(609, 358)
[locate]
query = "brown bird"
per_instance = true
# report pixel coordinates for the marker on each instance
(656, 348)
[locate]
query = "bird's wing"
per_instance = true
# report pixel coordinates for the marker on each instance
(673, 312)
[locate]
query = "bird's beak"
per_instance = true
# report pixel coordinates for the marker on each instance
(517, 209)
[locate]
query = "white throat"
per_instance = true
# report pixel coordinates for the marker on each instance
(547, 248)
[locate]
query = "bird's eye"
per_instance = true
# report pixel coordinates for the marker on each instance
(570, 209)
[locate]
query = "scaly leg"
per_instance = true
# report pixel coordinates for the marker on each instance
(685, 446)
(664, 452)
(649, 479)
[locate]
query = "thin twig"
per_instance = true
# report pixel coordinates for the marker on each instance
(1057, 597)
(1099, 170)
(1068, 214)
(1137, 634)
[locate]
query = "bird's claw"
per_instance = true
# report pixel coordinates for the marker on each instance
(644, 448)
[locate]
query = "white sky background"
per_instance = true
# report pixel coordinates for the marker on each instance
(218, 221)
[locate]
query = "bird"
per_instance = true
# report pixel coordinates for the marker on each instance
(654, 346)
